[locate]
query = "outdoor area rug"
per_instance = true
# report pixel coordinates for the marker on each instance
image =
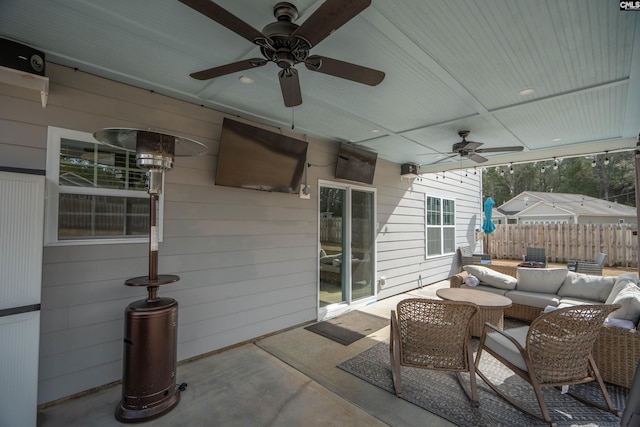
(350, 327)
(440, 393)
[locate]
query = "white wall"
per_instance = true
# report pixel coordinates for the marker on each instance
(246, 259)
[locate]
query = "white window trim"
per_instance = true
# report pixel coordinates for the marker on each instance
(441, 226)
(53, 189)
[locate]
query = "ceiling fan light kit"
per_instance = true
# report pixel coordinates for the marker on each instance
(288, 44)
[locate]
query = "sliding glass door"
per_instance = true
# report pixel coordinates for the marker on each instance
(347, 245)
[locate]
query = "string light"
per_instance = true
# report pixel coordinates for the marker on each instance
(606, 158)
(511, 168)
(501, 172)
(542, 169)
(555, 164)
(593, 163)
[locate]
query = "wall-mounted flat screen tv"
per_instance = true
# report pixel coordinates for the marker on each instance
(258, 159)
(355, 164)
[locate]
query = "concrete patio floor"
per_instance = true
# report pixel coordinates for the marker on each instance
(287, 379)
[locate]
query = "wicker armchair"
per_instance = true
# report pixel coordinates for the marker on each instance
(467, 257)
(536, 255)
(555, 350)
(588, 267)
(433, 334)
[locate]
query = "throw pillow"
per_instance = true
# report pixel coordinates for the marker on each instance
(621, 282)
(584, 286)
(491, 277)
(542, 280)
(471, 281)
(620, 323)
(629, 300)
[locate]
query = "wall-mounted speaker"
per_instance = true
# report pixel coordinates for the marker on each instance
(21, 57)
(409, 170)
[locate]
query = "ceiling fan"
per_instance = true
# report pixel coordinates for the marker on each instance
(470, 149)
(288, 44)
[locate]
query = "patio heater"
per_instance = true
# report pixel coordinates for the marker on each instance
(149, 387)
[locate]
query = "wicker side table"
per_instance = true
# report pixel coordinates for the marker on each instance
(491, 306)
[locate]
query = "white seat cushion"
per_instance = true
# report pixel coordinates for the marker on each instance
(505, 348)
(533, 299)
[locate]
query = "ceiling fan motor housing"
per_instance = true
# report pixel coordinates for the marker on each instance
(284, 51)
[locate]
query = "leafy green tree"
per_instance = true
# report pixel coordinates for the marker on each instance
(588, 175)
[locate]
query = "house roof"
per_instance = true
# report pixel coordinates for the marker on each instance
(575, 204)
(449, 66)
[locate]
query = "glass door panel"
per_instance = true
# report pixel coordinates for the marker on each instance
(362, 239)
(332, 212)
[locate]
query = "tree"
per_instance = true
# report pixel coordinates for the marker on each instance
(588, 175)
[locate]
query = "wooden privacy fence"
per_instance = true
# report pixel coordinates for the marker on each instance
(567, 241)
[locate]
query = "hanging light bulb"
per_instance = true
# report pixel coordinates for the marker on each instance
(511, 168)
(501, 172)
(555, 164)
(593, 163)
(542, 169)
(606, 158)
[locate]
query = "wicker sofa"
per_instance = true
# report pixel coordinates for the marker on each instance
(616, 352)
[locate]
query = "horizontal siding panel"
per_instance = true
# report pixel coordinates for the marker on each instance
(212, 212)
(54, 388)
(202, 292)
(84, 359)
(22, 157)
(81, 337)
(231, 227)
(195, 245)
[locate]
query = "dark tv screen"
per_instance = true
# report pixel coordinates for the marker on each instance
(355, 164)
(258, 159)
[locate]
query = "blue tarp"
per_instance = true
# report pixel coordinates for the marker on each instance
(488, 226)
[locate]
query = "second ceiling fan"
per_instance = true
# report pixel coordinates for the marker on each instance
(288, 44)
(470, 149)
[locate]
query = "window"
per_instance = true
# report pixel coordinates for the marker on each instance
(95, 193)
(441, 226)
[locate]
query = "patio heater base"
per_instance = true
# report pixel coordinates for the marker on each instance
(149, 371)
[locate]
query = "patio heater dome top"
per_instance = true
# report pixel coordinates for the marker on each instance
(154, 150)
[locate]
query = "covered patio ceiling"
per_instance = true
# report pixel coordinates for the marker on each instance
(449, 66)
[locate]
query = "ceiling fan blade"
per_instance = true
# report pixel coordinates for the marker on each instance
(330, 16)
(344, 70)
(223, 70)
(477, 158)
(440, 160)
(290, 86)
(225, 18)
(498, 149)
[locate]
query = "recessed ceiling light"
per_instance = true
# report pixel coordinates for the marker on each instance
(375, 131)
(527, 91)
(246, 80)
(556, 139)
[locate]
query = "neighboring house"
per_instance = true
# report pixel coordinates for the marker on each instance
(248, 260)
(535, 207)
(498, 217)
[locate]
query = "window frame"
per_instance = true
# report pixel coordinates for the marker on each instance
(442, 226)
(54, 189)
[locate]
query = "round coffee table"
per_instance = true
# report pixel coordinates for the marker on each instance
(491, 306)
